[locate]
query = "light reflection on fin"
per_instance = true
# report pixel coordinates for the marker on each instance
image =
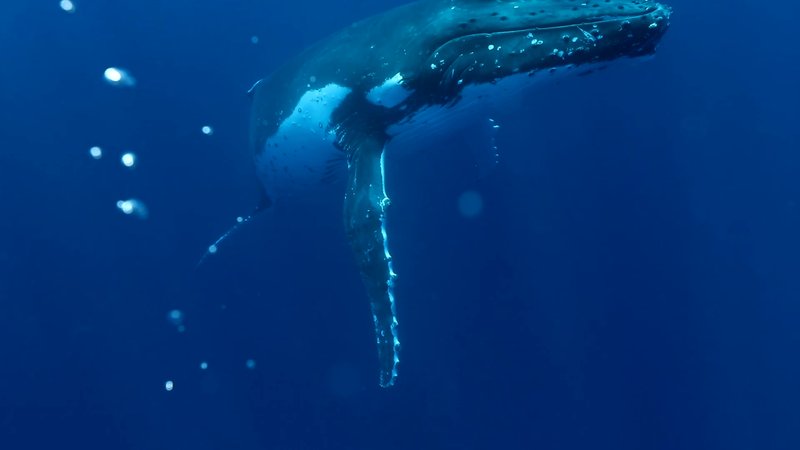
(365, 224)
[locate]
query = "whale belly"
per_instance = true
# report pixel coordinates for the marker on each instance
(301, 154)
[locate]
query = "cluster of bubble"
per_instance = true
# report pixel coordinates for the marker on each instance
(119, 77)
(169, 385)
(176, 318)
(131, 207)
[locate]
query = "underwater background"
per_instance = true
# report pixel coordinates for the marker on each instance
(632, 280)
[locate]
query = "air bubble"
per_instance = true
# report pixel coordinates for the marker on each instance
(128, 160)
(96, 152)
(133, 207)
(176, 318)
(207, 130)
(67, 6)
(116, 76)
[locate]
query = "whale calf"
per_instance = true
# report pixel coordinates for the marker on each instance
(345, 102)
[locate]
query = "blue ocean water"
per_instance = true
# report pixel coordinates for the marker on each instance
(631, 283)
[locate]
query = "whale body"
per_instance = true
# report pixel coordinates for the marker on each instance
(342, 104)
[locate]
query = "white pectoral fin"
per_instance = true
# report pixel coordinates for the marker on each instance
(365, 224)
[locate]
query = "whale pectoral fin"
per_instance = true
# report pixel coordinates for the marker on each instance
(365, 223)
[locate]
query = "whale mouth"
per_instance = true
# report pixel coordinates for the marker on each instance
(533, 46)
(651, 20)
(623, 15)
(639, 20)
(656, 11)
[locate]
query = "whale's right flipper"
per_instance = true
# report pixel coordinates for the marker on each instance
(365, 206)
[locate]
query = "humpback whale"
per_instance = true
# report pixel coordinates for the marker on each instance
(351, 97)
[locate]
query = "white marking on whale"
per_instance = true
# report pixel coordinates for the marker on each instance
(391, 93)
(298, 154)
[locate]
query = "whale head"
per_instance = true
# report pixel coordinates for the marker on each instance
(485, 40)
